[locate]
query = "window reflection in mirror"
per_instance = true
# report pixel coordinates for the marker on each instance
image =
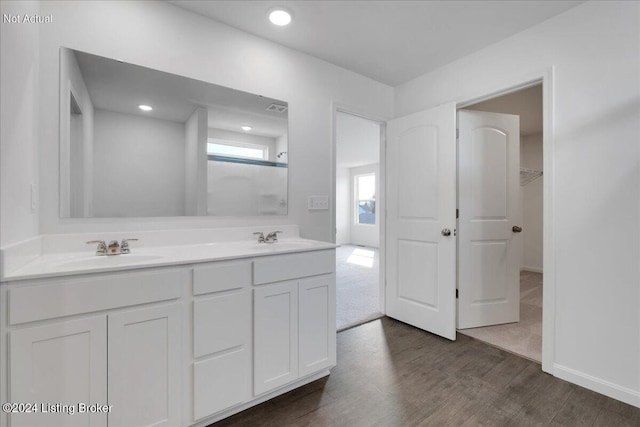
(138, 142)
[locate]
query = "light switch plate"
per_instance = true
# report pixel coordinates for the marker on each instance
(318, 203)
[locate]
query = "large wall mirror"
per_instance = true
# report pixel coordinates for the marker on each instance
(138, 142)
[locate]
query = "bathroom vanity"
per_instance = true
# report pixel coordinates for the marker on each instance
(179, 335)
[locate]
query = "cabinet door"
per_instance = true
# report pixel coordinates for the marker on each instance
(144, 367)
(275, 325)
(221, 334)
(317, 323)
(64, 362)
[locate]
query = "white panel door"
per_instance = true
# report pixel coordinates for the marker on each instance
(275, 335)
(144, 367)
(60, 363)
(490, 216)
(317, 323)
(421, 205)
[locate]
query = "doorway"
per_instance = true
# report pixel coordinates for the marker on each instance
(420, 221)
(358, 223)
(524, 335)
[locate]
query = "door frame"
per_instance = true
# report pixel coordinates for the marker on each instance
(337, 107)
(546, 77)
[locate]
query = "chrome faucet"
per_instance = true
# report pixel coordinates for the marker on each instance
(260, 236)
(113, 248)
(102, 247)
(124, 246)
(272, 237)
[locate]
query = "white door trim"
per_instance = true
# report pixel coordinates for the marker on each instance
(546, 76)
(381, 202)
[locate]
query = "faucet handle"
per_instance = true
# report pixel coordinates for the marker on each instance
(272, 237)
(260, 235)
(124, 246)
(102, 246)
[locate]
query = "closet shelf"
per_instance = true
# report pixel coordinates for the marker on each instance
(528, 175)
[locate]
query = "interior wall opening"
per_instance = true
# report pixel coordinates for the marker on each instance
(358, 186)
(523, 337)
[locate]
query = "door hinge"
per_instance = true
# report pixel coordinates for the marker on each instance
(457, 214)
(456, 293)
(457, 133)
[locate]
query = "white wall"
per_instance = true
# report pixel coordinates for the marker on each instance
(343, 206)
(282, 145)
(161, 36)
(594, 49)
(138, 166)
(76, 159)
(18, 123)
(195, 163)
(367, 235)
(235, 189)
(531, 193)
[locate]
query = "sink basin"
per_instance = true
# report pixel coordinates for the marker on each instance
(107, 261)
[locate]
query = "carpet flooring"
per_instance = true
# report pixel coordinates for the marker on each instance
(525, 337)
(357, 286)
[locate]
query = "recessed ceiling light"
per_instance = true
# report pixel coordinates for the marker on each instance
(145, 107)
(246, 128)
(280, 16)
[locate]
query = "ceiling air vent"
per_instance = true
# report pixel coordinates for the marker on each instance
(278, 108)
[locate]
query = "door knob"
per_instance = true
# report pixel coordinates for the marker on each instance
(446, 232)
(516, 229)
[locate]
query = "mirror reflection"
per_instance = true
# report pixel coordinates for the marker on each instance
(138, 142)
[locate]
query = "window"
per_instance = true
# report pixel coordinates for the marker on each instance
(241, 150)
(365, 190)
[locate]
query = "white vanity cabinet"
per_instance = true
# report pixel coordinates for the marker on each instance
(276, 335)
(294, 317)
(79, 341)
(221, 337)
(177, 346)
(60, 362)
(316, 324)
(144, 367)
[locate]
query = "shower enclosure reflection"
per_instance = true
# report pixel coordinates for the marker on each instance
(138, 142)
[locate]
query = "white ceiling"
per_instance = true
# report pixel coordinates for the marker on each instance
(357, 141)
(389, 41)
(121, 87)
(526, 103)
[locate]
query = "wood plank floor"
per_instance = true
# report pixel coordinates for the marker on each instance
(391, 374)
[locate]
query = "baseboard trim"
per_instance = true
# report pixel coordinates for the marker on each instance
(531, 269)
(623, 394)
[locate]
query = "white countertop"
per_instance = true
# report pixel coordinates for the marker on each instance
(74, 263)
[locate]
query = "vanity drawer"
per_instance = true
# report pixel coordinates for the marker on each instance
(292, 266)
(221, 322)
(221, 277)
(48, 299)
